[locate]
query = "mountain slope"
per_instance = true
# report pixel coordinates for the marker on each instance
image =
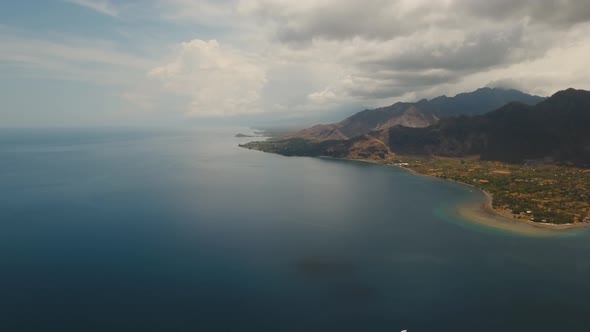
(415, 115)
(555, 130)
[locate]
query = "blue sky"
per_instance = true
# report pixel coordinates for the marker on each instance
(165, 62)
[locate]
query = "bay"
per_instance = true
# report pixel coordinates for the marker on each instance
(182, 230)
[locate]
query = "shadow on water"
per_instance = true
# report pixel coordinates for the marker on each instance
(314, 267)
(339, 280)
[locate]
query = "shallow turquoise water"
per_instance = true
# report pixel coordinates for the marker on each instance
(181, 230)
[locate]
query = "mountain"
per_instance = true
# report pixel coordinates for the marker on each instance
(557, 129)
(415, 115)
(554, 130)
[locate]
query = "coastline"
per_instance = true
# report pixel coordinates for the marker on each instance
(483, 213)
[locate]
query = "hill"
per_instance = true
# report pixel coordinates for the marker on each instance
(555, 130)
(421, 114)
(490, 151)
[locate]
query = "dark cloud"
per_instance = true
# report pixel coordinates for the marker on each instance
(346, 19)
(388, 19)
(426, 64)
(395, 84)
(390, 48)
(479, 50)
(397, 46)
(546, 12)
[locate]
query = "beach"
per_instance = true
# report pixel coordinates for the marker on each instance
(482, 212)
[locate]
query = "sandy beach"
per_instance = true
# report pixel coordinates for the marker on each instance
(483, 213)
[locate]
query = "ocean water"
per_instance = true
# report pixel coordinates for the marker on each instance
(181, 230)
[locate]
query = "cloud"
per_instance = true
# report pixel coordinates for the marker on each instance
(389, 49)
(564, 13)
(343, 52)
(506, 83)
(219, 80)
(304, 21)
(286, 57)
(308, 20)
(472, 50)
(563, 66)
(100, 6)
(92, 61)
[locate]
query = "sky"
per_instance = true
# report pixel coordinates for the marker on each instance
(165, 62)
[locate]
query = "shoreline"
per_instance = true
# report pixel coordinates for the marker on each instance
(484, 212)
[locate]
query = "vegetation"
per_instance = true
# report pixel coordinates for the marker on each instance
(415, 115)
(541, 193)
(538, 192)
(240, 135)
(292, 147)
(555, 130)
(525, 154)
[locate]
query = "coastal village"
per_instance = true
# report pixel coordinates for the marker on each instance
(539, 193)
(534, 192)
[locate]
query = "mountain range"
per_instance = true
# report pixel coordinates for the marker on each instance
(556, 129)
(420, 114)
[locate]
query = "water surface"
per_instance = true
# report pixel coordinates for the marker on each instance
(181, 230)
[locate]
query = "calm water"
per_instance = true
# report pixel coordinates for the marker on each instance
(134, 230)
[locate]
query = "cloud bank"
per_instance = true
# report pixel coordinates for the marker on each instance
(377, 52)
(218, 80)
(100, 6)
(286, 57)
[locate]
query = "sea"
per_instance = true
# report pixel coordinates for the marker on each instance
(180, 229)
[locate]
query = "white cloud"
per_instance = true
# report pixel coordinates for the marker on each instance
(283, 56)
(219, 80)
(83, 60)
(563, 66)
(100, 6)
(211, 12)
(306, 55)
(73, 51)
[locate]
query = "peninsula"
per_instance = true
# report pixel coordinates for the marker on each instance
(531, 155)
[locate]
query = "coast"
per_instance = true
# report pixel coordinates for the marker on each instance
(546, 196)
(483, 212)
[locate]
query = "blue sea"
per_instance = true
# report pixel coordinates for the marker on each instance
(182, 230)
